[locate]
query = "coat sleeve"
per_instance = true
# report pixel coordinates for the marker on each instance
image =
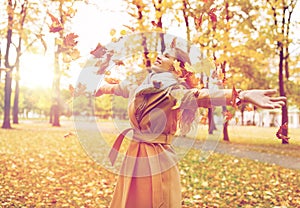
(123, 89)
(206, 98)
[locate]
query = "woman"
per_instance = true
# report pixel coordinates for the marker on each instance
(165, 101)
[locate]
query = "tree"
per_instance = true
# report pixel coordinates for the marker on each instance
(65, 52)
(22, 15)
(282, 21)
(11, 6)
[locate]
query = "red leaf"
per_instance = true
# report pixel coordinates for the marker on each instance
(279, 133)
(154, 23)
(56, 25)
(212, 15)
(99, 51)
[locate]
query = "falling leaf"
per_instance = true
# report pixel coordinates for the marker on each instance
(177, 68)
(74, 54)
(198, 21)
(72, 89)
(119, 62)
(248, 108)
(212, 15)
(112, 32)
(66, 58)
(203, 120)
(189, 68)
(123, 32)
(111, 80)
(99, 51)
(227, 116)
(69, 40)
(234, 96)
(279, 133)
(56, 25)
(173, 44)
(154, 23)
(178, 95)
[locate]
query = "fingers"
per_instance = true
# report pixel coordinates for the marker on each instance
(275, 99)
(270, 92)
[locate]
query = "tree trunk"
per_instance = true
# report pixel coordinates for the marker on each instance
(56, 92)
(56, 113)
(211, 121)
(17, 92)
(186, 20)
(8, 75)
(242, 116)
(284, 110)
(16, 104)
(225, 126)
(7, 98)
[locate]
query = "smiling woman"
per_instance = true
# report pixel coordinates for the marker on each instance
(36, 71)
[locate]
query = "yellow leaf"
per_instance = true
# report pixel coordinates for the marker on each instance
(177, 67)
(112, 32)
(123, 32)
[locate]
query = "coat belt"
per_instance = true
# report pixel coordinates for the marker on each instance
(139, 137)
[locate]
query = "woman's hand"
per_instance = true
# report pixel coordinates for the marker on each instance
(262, 98)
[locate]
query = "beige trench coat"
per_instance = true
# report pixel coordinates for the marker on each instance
(149, 177)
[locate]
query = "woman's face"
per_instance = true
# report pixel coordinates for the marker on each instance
(164, 63)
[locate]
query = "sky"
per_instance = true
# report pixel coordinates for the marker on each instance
(92, 23)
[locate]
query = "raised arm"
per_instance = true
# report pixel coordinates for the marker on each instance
(106, 89)
(123, 89)
(207, 98)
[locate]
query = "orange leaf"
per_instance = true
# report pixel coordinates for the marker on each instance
(234, 96)
(69, 40)
(227, 116)
(173, 44)
(71, 89)
(198, 21)
(248, 108)
(119, 62)
(203, 120)
(111, 80)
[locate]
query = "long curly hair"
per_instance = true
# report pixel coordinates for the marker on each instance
(186, 115)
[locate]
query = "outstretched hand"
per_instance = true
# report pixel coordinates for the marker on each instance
(262, 98)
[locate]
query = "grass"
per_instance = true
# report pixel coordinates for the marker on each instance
(40, 167)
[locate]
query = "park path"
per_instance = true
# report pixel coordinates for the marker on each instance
(236, 150)
(242, 151)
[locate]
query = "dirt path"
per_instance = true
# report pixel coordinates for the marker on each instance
(242, 151)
